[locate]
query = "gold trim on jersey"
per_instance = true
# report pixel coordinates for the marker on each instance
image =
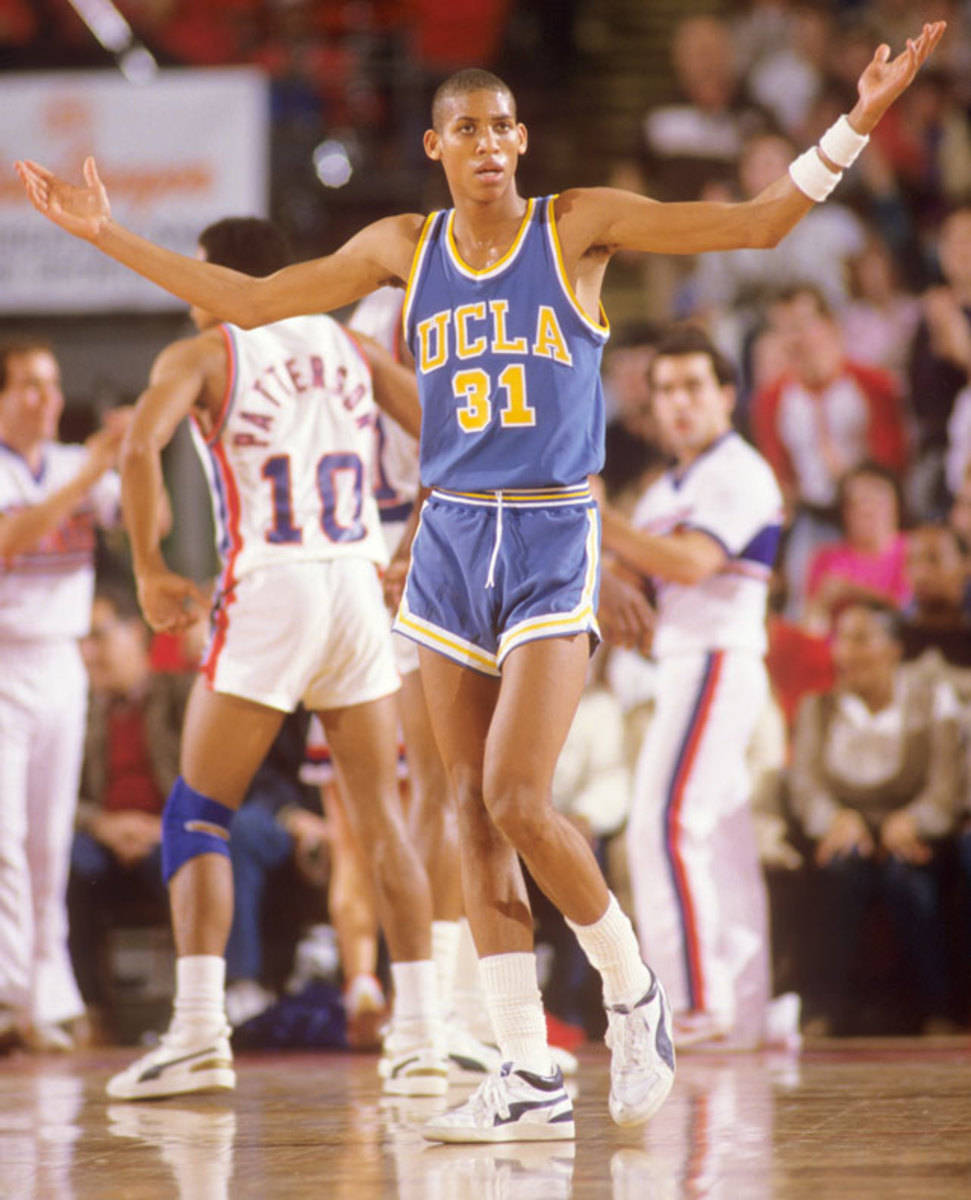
(604, 327)
(421, 249)
(501, 263)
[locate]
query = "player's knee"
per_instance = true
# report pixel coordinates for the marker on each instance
(519, 812)
(192, 825)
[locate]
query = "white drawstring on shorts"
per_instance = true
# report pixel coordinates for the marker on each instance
(491, 580)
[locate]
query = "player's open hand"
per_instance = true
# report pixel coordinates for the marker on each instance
(170, 603)
(624, 615)
(884, 78)
(83, 211)
(393, 582)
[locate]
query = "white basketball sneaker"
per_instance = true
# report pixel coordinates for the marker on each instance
(409, 1068)
(180, 1063)
(642, 1056)
(514, 1105)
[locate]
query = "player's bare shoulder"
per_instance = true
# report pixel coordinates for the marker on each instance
(390, 242)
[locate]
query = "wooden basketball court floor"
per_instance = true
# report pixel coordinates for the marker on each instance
(879, 1119)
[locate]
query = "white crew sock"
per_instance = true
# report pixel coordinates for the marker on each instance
(414, 1012)
(611, 946)
(445, 946)
(468, 998)
(516, 1007)
(200, 993)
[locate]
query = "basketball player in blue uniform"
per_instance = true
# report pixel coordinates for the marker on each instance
(503, 316)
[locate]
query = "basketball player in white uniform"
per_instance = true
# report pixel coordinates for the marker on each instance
(706, 532)
(283, 417)
(51, 498)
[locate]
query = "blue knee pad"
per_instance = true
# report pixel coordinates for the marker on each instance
(192, 824)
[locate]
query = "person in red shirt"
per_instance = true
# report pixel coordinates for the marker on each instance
(131, 759)
(821, 417)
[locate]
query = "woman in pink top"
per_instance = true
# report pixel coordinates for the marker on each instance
(869, 562)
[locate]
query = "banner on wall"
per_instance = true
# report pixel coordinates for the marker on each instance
(175, 154)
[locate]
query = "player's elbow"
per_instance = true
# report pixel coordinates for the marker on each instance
(138, 449)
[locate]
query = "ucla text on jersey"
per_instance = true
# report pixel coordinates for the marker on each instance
(508, 362)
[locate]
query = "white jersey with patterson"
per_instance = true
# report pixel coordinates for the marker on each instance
(289, 461)
(46, 591)
(730, 493)
(396, 469)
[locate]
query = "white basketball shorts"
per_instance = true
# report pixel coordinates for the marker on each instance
(315, 633)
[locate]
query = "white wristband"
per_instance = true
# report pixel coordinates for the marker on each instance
(811, 175)
(842, 144)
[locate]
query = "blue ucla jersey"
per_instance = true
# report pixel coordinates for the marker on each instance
(508, 363)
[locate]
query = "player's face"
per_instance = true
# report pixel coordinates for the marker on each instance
(691, 408)
(478, 143)
(32, 401)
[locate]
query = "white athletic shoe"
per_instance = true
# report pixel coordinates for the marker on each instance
(642, 1056)
(568, 1063)
(514, 1105)
(180, 1063)
(408, 1068)
(467, 1055)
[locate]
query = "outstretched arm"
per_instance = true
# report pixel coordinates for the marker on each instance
(380, 253)
(618, 220)
(179, 378)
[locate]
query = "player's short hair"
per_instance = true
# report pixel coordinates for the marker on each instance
(680, 340)
(248, 244)
(471, 79)
(15, 346)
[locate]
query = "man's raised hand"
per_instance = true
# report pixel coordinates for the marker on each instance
(83, 211)
(885, 78)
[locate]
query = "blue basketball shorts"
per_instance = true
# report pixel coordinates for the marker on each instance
(492, 570)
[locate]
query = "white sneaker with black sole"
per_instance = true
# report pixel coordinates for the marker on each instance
(180, 1063)
(413, 1069)
(641, 1056)
(514, 1105)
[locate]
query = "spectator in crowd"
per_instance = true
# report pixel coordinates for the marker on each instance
(52, 496)
(876, 779)
(939, 615)
(958, 454)
(131, 760)
(880, 320)
(734, 285)
(695, 143)
(823, 415)
(869, 560)
(787, 68)
(959, 517)
(631, 438)
(940, 361)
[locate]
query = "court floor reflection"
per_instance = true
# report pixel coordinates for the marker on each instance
(880, 1119)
